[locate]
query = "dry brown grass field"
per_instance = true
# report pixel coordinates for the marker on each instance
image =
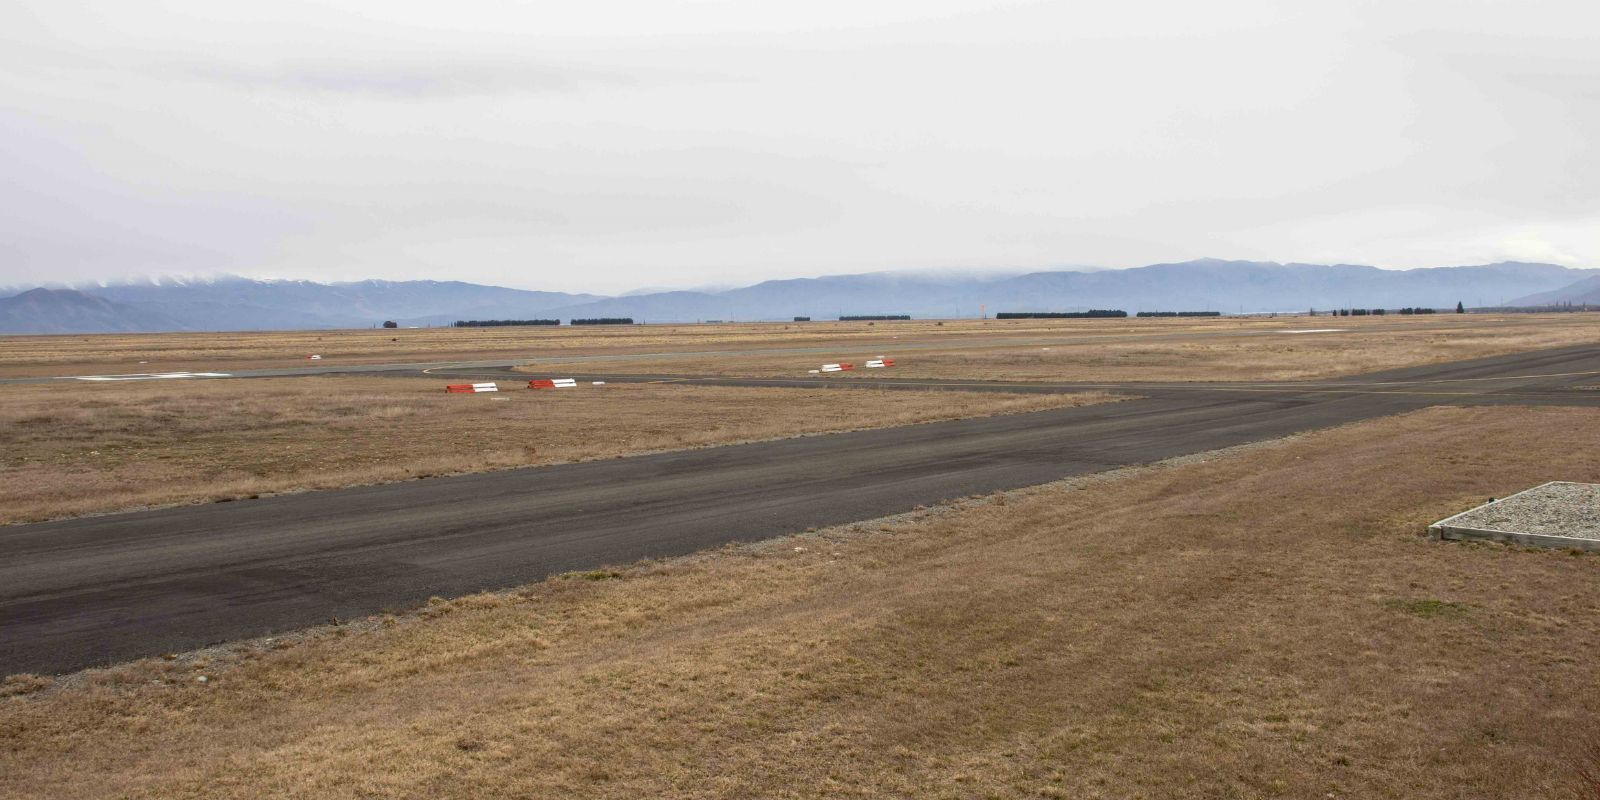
(1179, 355)
(1160, 349)
(119, 353)
(1263, 622)
(75, 448)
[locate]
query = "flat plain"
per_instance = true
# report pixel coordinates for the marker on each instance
(78, 448)
(75, 447)
(1264, 621)
(1304, 348)
(1255, 348)
(1300, 638)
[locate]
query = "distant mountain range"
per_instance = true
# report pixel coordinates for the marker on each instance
(231, 303)
(1584, 292)
(68, 311)
(1204, 285)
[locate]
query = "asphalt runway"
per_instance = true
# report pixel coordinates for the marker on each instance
(95, 590)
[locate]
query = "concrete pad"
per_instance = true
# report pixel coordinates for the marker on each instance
(1557, 514)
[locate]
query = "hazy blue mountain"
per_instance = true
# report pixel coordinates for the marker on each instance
(1231, 286)
(654, 307)
(68, 311)
(1586, 291)
(231, 303)
(1204, 285)
(820, 298)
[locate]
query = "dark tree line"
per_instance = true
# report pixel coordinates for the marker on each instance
(502, 323)
(1094, 313)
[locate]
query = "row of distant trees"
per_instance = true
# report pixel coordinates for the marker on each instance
(503, 323)
(1378, 312)
(1094, 313)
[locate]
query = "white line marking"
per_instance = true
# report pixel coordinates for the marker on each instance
(154, 376)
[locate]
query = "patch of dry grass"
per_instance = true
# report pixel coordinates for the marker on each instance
(1250, 624)
(71, 449)
(1365, 346)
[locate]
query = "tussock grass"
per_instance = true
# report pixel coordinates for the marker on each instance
(1229, 625)
(72, 449)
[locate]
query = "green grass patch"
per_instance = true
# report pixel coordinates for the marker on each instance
(594, 575)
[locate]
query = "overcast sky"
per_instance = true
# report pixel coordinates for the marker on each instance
(604, 146)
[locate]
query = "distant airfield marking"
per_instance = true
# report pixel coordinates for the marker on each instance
(148, 376)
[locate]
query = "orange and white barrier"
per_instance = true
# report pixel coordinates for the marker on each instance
(553, 383)
(313, 357)
(838, 367)
(471, 388)
(877, 363)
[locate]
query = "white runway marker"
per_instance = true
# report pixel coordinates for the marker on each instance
(153, 376)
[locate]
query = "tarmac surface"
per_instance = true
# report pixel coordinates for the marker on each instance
(95, 590)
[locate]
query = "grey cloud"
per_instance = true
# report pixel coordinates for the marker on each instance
(597, 147)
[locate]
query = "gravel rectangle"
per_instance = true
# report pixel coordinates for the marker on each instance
(1556, 514)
